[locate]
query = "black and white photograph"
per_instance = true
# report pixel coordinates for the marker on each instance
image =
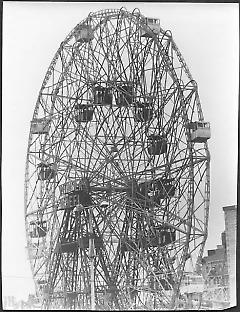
(119, 155)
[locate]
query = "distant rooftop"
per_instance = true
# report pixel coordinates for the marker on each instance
(233, 207)
(215, 255)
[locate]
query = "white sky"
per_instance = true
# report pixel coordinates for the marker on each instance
(207, 36)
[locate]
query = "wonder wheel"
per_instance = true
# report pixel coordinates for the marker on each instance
(117, 170)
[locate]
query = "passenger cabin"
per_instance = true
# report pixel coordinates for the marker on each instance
(200, 131)
(84, 241)
(144, 188)
(143, 112)
(67, 246)
(38, 229)
(78, 197)
(83, 113)
(40, 126)
(124, 96)
(163, 235)
(164, 189)
(157, 144)
(41, 282)
(46, 171)
(152, 28)
(160, 236)
(147, 194)
(71, 245)
(132, 188)
(84, 33)
(102, 95)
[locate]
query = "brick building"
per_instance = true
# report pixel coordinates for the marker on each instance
(219, 266)
(215, 273)
(230, 214)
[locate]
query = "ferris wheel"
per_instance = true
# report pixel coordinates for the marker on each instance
(117, 172)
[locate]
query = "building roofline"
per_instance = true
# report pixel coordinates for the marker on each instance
(233, 207)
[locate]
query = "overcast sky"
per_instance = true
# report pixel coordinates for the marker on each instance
(207, 36)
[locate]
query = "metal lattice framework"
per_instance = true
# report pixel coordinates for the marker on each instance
(116, 192)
